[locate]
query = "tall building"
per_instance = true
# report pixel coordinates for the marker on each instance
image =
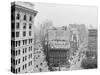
(58, 47)
(59, 37)
(22, 37)
(79, 35)
(80, 31)
(92, 39)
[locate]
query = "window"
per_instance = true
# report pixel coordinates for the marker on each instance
(24, 33)
(16, 62)
(19, 52)
(13, 43)
(30, 26)
(29, 33)
(23, 67)
(23, 42)
(31, 62)
(12, 52)
(12, 69)
(38, 55)
(29, 41)
(29, 56)
(25, 17)
(16, 53)
(37, 66)
(19, 43)
(13, 34)
(17, 25)
(30, 19)
(16, 70)
(11, 60)
(24, 25)
(12, 25)
(18, 16)
(23, 50)
(19, 61)
(41, 64)
(40, 69)
(12, 16)
(17, 34)
(31, 48)
(23, 59)
(16, 43)
(19, 69)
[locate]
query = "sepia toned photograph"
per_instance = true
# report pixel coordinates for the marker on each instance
(47, 37)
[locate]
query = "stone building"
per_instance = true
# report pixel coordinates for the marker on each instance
(79, 35)
(80, 31)
(58, 37)
(58, 47)
(22, 37)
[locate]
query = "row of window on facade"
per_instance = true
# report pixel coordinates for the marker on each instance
(37, 52)
(18, 34)
(41, 64)
(40, 69)
(18, 25)
(18, 61)
(18, 43)
(18, 70)
(18, 17)
(18, 52)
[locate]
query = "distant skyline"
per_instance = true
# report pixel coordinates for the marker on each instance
(63, 14)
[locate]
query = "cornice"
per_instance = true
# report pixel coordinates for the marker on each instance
(23, 9)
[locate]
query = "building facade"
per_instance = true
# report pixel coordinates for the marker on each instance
(58, 37)
(80, 31)
(22, 38)
(58, 47)
(92, 39)
(79, 35)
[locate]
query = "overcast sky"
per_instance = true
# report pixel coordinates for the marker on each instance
(62, 14)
